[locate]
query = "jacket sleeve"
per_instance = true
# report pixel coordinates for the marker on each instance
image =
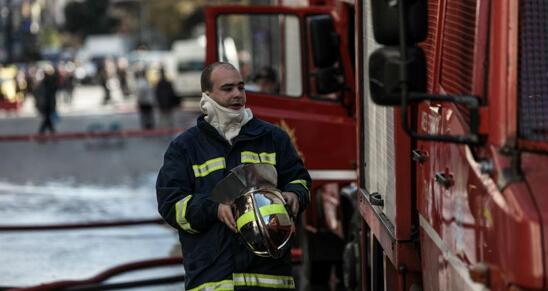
(292, 175)
(177, 204)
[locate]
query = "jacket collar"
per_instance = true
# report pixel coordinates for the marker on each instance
(254, 128)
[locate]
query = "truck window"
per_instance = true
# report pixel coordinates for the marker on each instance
(266, 49)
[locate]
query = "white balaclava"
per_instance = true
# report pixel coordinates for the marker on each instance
(226, 121)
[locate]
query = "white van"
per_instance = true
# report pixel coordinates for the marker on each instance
(188, 62)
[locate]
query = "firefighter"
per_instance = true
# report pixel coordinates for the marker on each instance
(226, 135)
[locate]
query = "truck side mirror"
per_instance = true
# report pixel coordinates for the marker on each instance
(324, 41)
(384, 74)
(386, 21)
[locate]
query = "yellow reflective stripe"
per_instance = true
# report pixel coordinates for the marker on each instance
(269, 158)
(272, 209)
(225, 285)
(209, 166)
(250, 157)
(264, 210)
(255, 158)
(302, 182)
(245, 219)
(180, 215)
(263, 280)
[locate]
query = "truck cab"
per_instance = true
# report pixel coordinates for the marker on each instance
(297, 63)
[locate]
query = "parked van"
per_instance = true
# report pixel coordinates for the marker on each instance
(188, 61)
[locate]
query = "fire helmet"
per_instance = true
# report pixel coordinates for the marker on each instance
(262, 219)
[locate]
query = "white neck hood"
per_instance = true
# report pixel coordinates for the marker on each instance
(226, 121)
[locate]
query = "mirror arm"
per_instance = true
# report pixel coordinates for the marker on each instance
(471, 102)
(403, 69)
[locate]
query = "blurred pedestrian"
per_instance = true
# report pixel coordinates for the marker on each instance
(145, 100)
(166, 99)
(121, 73)
(67, 81)
(47, 103)
(103, 75)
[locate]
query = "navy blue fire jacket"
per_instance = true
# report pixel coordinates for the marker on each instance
(195, 161)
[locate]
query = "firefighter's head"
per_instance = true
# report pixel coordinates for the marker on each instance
(224, 84)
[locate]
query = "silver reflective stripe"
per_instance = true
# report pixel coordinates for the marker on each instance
(225, 285)
(209, 166)
(268, 158)
(180, 215)
(248, 157)
(263, 280)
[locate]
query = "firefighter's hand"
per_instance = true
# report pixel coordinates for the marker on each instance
(292, 201)
(225, 215)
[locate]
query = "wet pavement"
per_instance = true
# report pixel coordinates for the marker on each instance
(70, 181)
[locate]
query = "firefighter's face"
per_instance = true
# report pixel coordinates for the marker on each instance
(228, 88)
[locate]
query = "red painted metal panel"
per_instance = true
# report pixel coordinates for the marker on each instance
(457, 57)
(513, 236)
(399, 253)
(458, 44)
(429, 45)
(325, 141)
(498, 73)
(403, 164)
(535, 170)
(452, 213)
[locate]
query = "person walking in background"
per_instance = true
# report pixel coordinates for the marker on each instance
(145, 100)
(67, 81)
(121, 74)
(104, 76)
(47, 103)
(166, 99)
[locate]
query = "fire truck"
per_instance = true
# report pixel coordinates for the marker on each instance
(423, 125)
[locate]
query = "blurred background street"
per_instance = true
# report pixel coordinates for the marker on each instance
(80, 68)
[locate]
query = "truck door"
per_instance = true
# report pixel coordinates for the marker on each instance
(298, 72)
(292, 80)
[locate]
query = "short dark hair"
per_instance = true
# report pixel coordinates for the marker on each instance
(205, 80)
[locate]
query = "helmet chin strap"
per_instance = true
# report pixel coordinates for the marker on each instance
(226, 121)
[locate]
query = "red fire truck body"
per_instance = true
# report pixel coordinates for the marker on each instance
(450, 193)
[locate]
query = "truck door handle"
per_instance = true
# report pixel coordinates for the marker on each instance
(419, 156)
(444, 179)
